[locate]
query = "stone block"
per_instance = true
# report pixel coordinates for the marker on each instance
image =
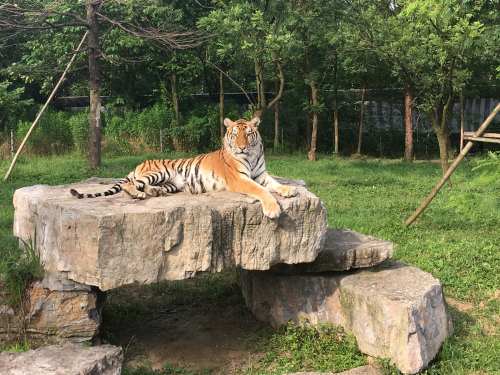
(395, 311)
(67, 359)
(343, 250)
(112, 241)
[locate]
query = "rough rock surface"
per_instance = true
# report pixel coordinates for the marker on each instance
(343, 250)
(52, 315)
(364, 370)
(112, 241)
(67, 359)
(395, 311)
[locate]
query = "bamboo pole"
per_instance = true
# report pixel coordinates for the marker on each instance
(452, 168)
(49, 99)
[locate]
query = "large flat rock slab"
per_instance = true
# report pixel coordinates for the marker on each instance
(343, 250)
(67, 359)
(395, 311)
(112, 241)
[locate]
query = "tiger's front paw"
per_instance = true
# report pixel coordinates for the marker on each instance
(287, 191)
(271, 209)
(139, 195)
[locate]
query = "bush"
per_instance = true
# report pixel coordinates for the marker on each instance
(18, 268)
(51, 136)
(136, 131)
(79, 125)
(200, 130)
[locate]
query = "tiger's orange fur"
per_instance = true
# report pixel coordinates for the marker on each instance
(239, 166)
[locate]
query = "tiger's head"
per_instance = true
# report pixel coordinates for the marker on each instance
(242, 136)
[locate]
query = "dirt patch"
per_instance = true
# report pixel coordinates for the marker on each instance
(461, 306)
(187, 327)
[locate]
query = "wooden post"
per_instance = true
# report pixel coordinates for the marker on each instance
(452, 168)
(462, 120)
(49, 99)
(94, 85)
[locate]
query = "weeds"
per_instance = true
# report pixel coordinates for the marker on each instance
(19, 266)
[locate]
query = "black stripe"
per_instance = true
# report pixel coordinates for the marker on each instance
(260, 174)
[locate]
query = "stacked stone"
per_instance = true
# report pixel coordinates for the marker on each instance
(394, 310)
(292, 269)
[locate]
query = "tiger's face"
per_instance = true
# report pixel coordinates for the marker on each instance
(242, 136)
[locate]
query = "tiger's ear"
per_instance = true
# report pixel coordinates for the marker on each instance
(228, 123)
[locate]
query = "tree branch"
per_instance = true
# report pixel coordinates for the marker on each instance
(233, 81)
(279, 94)
(171, 40)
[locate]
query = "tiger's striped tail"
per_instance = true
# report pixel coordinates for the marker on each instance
(115, 189)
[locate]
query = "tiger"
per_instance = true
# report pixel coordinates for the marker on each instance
(238, 166)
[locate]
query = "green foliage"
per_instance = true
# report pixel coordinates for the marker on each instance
(52, 134)
(79, 125)
(19, 266)
(17, 347)
(12, 106)
(136, 131)
(199, 131)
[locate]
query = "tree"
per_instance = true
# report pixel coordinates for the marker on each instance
(37, 16)
(432, 46)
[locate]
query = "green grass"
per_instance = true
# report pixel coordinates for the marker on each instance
(457, 240)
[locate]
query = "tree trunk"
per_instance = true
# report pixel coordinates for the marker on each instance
(311, 155)
(462, 120)
(94, 85)
(276, 126)
(176, 141)
(259, 83)
(439, 121)
(361, 115)
(408, 119)
(276, 122)
(443, 138)
(335, 127)
(175, 98)
(221, 106)
(335, 107)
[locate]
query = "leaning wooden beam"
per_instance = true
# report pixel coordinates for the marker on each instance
(49, 99)
(452, 168)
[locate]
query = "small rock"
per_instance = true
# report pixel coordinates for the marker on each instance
(343, 250)
(395, 311)
(67, 359)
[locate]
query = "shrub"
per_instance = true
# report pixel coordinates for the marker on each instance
(136, 131)
(51, 136)
(18, 268)
(79, 125)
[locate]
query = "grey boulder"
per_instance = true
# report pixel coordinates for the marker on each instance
(343, 250)
(67, 359)
(395, 311)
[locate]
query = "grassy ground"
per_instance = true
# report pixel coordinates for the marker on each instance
(457, 240)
